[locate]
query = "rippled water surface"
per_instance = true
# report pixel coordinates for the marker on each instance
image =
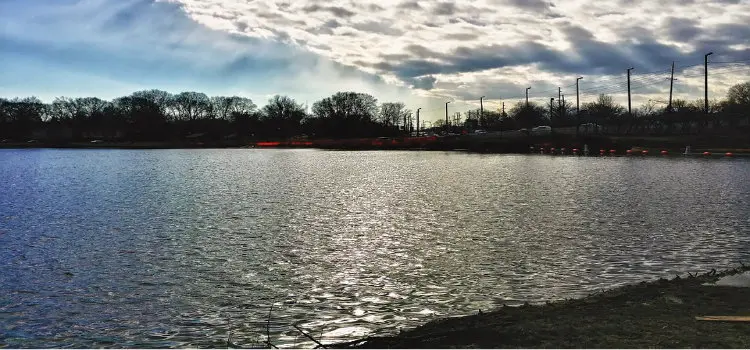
(177, 248)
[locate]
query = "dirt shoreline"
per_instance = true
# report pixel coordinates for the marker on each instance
(659, 314)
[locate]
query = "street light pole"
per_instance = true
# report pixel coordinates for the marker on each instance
(447, 122)
(481, 109)
(630, 112)
(671, 85)
(578, 107)
(551, 107)
(527, 96)
(706, 80)
(418, 121)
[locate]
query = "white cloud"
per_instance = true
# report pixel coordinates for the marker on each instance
(491, 47)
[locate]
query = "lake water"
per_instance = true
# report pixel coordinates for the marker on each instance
(180, 248)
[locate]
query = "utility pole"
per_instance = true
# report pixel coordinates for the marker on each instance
(671, 85)
(503, 107)
(481, 109)
(405, 128)
(447, 122)
(706, 80)
(630, 111)
(578, 107)
(559, 98)
(418, 121)
(527, 96)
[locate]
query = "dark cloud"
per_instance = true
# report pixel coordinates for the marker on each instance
(335, 10)
(241, 26)
(609, 13)
(574, 31)
(411, 5)
(411, 68)
(534, 5)
(421, 51)
(587, 56)
(267, 15)
(682, 29)
(739, 33)
(389, 57)
(444, 9)
(473, 21)
(424, 83)
(326, 28)
(377, 27)
(332, 23)
(462, 36)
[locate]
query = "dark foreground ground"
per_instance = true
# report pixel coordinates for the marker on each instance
(657, 314)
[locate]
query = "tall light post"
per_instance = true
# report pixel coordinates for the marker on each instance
(481, 108)
(447, 122)
(578, 107)
(527, 96)
(418, 121)
(705, 101)
(671, 85)
(630, 112)
(551, 108)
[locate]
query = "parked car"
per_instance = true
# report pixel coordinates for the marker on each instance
(541, 130)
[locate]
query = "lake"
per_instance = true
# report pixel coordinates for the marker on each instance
(187, 248)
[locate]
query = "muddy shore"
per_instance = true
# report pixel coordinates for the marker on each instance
(659, 314)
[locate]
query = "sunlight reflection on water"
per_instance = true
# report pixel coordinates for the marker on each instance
(178, 248)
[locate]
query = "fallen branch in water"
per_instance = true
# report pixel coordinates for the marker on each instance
(309, 337)
(268, 328)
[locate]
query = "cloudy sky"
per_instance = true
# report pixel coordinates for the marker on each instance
(421, 52)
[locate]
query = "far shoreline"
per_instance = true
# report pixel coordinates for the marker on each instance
(551, 145)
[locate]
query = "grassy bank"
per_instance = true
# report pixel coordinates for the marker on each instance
(658, 314)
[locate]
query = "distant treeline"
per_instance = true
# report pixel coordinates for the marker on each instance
(155, 115)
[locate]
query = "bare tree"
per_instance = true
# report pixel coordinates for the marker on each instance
(191, 106)
(392, 113)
